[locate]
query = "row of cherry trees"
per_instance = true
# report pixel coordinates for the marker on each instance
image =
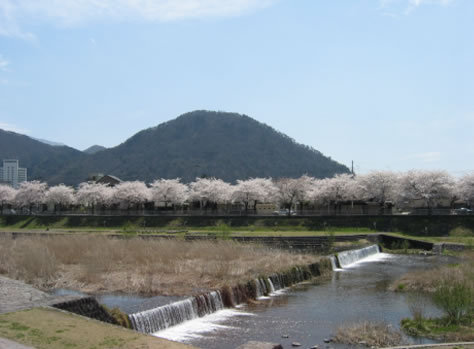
(381, 187)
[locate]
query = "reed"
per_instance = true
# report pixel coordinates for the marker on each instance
(369, 334)
(134, 265)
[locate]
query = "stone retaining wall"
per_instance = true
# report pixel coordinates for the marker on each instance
(88, 307)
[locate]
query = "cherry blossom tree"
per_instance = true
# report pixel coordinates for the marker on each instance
(430, 187)
(253, 190)
(60, 195)
(30, 194)
(335, 190)
(169, 191)
(210, 191)
(289, 191)
(128, 194)
(378, 186)
(94, 194)
(465, 189)
(7, 195)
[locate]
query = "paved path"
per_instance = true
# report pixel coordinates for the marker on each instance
(7, 344)
(16, 295)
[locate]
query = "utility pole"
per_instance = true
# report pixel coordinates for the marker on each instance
(352, 168)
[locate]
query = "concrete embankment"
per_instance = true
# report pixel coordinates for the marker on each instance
(459, 345)
(421, 225)
(306, 243)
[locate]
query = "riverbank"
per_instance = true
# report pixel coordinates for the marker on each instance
(451, 287)
(47, 328)
(422, 225)
(97, 264)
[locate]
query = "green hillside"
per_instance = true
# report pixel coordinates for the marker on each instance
(201, 143)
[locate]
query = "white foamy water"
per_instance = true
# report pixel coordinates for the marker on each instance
(378, 257)
(196, 328)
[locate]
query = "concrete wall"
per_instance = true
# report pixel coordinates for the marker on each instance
(417, 225)
(88, 307)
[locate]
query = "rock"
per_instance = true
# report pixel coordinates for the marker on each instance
(285, 336)
(362, 343)
(296, 344)
(314, 347)
(327, 340)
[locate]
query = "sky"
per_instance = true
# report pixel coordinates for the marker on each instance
(388, 84)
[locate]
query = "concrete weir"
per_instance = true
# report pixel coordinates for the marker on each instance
(161, 318)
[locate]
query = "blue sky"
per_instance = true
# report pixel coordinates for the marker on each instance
(386, 83)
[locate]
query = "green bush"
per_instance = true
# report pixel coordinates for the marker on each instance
(461, 232)
(455, 298)
(121, 318)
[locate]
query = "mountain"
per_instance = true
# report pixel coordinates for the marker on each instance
(45, 141)
(94, 149)
(43, 161)
(201, 143)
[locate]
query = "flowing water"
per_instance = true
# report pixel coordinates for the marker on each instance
(308, 313)
(311, 312)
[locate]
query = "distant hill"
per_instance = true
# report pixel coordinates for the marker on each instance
(45, 141)
(201, 143)
(94, 149)
(43, 161)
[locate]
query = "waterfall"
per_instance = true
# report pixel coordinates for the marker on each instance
(334, 262)
(258, 288)
(348, 257)
(153, 320)
(272, 288)
(262, 289)
(157, 319)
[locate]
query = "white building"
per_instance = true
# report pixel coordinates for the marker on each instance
(12, 174)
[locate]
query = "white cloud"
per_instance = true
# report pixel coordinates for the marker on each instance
(13, 128)
(3, 63)
(73, 12)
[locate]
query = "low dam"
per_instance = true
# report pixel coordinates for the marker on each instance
(163, 317)
(157, 319)
(347, 258)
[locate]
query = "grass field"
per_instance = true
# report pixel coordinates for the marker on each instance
(45, 328)
(96, 263)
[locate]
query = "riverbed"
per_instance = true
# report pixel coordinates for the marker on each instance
(311, 312)
(307, 313)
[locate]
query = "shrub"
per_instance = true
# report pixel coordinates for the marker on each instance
(455, 298)
(417, 303)
(121, 318)
(461, 232)
(369, 333)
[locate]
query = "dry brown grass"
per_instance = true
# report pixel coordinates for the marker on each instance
(369, 334)
(429, 280)
(167, 267)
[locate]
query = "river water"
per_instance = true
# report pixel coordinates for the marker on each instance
(311, 312)
(307, 313)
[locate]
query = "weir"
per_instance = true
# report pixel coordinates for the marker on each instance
(154, 320)
(334, 262)
(349, 257)
(157, 319)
